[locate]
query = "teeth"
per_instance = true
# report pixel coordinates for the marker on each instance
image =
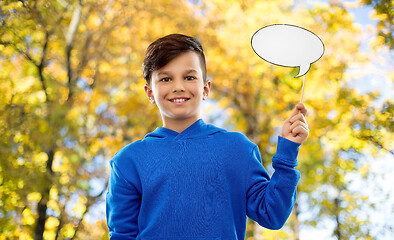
(179, 100)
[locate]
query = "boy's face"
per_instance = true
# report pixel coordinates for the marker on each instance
(178, 88)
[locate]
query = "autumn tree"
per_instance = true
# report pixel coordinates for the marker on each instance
(71, 95)
(44, 135)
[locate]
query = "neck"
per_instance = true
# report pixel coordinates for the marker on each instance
(179, 125)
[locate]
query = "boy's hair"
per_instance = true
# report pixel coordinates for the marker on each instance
(165, 49)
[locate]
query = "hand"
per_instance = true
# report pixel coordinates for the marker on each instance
(295, 127)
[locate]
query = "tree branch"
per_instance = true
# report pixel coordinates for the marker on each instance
(42, 65)
(378, 144)
(90, 202)
(70, 35)
(25, 54)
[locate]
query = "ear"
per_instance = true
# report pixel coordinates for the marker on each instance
(149, 93)
(207, 89)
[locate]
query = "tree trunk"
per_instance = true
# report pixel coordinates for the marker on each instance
(338, 228)
(42, 205)
(41, 210)
(295, 225)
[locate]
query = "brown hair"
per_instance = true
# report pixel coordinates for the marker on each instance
(165, 49)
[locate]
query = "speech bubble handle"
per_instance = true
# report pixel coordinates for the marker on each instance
(303, 87)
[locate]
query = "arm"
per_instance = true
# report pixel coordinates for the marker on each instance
(122, 206)
(270, 201)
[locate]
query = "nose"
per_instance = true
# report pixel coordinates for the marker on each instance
(178, 85)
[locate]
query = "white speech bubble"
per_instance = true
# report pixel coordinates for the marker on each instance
(288, 46)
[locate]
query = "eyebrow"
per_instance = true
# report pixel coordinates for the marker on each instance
(167, 73)
(191, 71)
(163, 73)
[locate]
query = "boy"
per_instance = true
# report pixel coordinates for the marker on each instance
(189, 180)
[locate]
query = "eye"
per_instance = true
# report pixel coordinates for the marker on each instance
(190, 78)
(166, 79)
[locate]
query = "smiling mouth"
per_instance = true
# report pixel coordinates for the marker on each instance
(179, 100)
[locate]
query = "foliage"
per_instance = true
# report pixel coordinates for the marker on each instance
(385, 14)
(71, 95)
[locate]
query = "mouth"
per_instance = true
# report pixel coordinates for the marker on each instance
(178, 100)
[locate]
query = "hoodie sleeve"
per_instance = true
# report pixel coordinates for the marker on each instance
(270, 201)
(122, 206)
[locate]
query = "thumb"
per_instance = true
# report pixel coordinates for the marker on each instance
(300, 108)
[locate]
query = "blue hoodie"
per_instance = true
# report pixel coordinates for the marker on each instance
(198, 184)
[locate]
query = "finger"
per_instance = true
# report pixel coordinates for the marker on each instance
(298, 120)
(298, 117)
(298, 123)
(300, 131)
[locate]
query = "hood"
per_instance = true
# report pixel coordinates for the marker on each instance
(196, 130)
